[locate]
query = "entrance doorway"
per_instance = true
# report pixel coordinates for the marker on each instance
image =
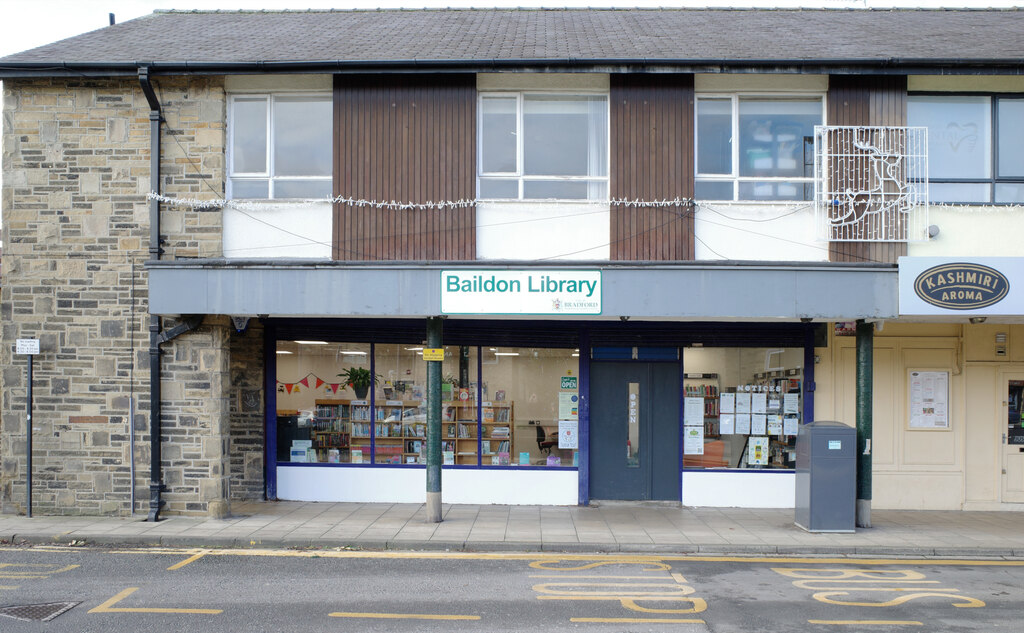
(1013, 438)
(634, 430)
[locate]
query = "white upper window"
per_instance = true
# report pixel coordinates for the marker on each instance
(756, 147)
(279, 146)
(975, 146)
(543, 146)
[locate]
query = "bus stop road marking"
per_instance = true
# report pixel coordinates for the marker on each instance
(636, 621)
(190, 559)
(402, 616)
(869, 622)
(108, 606)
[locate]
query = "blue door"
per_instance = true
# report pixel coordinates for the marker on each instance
(634, 430)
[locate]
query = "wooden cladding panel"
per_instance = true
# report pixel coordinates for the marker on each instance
(406, 139)
(867, 100)
(651, 159)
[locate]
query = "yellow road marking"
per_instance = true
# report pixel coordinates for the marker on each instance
(9, 586)
(107, 607)
(610, 559)
(636, 621)
(403, 616)
(571, 576)
(190, 559)
(880, 622)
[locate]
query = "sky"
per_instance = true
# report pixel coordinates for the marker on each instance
(25, 24)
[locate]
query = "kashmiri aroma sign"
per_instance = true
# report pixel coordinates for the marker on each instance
(521, 292)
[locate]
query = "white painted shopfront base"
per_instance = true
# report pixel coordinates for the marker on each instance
(408, 485)
(756, 489)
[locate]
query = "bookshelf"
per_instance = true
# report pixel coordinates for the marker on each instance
(400, 431)
(705, 386)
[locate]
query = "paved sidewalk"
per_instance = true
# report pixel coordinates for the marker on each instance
(616, 527)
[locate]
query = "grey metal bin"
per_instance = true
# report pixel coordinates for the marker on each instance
(826, 477)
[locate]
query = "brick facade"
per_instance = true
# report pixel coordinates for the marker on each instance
(76, 237)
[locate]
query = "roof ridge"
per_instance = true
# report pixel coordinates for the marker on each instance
(604, 9)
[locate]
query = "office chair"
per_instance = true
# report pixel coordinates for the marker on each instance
(543, 443)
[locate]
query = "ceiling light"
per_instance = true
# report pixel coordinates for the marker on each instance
(352, 353)
(311, 342)
(414, 349)
(506, 353)
(284, 351)
(576, 355)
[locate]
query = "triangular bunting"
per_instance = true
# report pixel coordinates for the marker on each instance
(288, 386)
(305, 381)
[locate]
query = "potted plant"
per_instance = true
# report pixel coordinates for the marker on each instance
(359, 379)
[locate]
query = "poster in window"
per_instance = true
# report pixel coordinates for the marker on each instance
(693, 412)
(757, 451)
(742, 402)
(929, 399)
(727, 423)
(727, 403)
(567, 434)
(693, 440)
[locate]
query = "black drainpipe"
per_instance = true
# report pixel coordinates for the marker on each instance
(156, 484)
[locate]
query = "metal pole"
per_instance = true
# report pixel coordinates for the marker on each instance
(28, 441)
(865, 333)
(434, 424)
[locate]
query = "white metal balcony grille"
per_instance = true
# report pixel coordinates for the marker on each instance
(871, 183)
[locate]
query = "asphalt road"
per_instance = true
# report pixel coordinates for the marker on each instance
(288, 590)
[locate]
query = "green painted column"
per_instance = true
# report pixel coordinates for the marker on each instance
(865, 362)
(434, 423)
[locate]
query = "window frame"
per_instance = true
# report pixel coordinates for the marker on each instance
(734, 177)
(994, 178)
(518, 176)
(269, 176)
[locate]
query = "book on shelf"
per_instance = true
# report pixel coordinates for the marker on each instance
(500, 431)
(485, 446)
(524, 458)
(449, 458)
(488, 415)
(503, 458)
(357, 456)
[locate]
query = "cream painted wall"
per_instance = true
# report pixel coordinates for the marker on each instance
(766, 232)
(912, 469)
(720, 82)
(965, 83)
(972, 231)
(543, 230)
(271, 230)
(956, 469)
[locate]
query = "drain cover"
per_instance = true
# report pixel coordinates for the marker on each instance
(37, 612)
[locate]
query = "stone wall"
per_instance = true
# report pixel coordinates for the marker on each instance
(247, 419)
(76, 236)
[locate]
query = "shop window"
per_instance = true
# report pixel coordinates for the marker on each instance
(279, 146)
(975, 146)
(543, 146)
(511, 416)
(742, 408)
(756, 148)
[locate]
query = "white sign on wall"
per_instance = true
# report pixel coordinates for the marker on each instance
(521, 292)
(958, 286)
(929, 399)
(27, 346)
